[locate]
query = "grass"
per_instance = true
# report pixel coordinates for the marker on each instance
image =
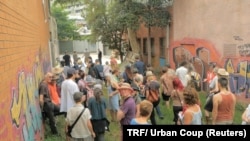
(113, 135)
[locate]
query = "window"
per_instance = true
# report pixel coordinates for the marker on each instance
(152, 43)
(139, 42)
(162, 47)
(145, 51)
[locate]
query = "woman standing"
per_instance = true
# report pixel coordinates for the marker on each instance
(113, 93)
(97, 106)
(177, 98)
(192, 114)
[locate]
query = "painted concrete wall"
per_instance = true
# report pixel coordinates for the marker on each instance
(213, 31)
(24, 58)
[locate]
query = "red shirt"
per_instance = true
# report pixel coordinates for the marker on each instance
(53, 94)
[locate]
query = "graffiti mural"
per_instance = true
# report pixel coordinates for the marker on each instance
(244, 50)
(239, 76)
(25, 112)
(201, 52)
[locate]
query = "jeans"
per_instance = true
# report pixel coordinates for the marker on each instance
(49, 110)
(158, 111)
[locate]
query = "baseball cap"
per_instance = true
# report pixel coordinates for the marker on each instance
(71, 71)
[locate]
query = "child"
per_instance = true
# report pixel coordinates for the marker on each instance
(146, 108)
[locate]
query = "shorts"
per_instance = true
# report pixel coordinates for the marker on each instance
(165, 97)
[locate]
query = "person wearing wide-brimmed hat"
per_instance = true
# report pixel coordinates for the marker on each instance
(58, 77)
(127, 110)
(214, 89)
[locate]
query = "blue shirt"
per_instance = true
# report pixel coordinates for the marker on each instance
(140, 67)
(97, 109)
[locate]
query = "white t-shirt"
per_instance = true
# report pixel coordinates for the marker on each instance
(181, 73)
(68, 88)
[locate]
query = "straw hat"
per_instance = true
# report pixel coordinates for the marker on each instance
(57, 70)
(222, 72)
(125, 88)
(149, 73)
(79, 62)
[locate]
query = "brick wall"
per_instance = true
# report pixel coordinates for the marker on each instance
(24, 57)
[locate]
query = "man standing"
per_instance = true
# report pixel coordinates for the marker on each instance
(69, 87)
(46, 103)
(139, 65)
(75, 57)
(166, 81)
(98, 70)
(100, 56)
(127, 110)
(181, 73)
(66, 59)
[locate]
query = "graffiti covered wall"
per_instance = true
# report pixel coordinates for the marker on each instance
(206, 31)
(24, 47)
(201, 52)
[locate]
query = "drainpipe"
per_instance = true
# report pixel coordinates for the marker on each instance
(167, 42)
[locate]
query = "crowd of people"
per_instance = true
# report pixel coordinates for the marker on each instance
(133, 96)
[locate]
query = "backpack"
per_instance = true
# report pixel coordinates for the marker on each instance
(152, 94)
(195, 81)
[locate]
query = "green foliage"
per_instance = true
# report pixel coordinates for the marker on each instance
(66, 2)
(66, 28)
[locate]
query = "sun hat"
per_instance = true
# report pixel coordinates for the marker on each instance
(57, 70)
(79, 62)
(125, 88)
(222, 72)
(149, 73)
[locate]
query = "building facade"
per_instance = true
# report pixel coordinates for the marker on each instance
(25, 57)
(204, 31)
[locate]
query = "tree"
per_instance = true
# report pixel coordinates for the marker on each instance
(65, 2)
(106, 26)
(66, 28)
(155, 15)
(108, 23)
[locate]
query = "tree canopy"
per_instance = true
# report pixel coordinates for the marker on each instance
(65, 27)
(107, 21)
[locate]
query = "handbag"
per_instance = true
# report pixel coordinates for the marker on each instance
(70, 127)
(100, 126)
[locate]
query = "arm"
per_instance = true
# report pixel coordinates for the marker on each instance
(89, 124)
(215, 108)
(234, 98)
(120, 115)
(137, 110)
(216, 89)
(114, 93)
(41, 101)
(244, 116)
